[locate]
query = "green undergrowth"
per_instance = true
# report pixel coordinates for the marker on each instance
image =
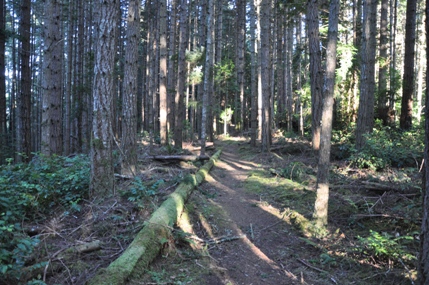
(286, 192)
(381, 229)
(29, 192)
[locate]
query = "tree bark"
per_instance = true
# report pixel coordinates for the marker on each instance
(24, 102)
(408, 78)
(181, 71)
(253, 76)
(52, 142)
(365, 121)
(102, 175)
(423, 265)
(208, 76)
(265, 16)
(240, 113)
(129, 98)
(163, 72)
(322, 187)
(383, 96)
(315, 70)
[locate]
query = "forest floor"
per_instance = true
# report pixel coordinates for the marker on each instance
(243, 225)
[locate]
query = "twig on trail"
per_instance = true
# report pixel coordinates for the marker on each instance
(276, 223)
(251, 231)
(312, 267)
(216, 240)
(318, 269)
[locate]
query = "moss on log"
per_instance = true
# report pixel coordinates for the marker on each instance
(150, 240)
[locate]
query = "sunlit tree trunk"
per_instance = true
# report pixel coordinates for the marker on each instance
(322, 187)
(365, 120)
(181, 71)
(52, 142)
(102, 176)
(208, 75)
(421, 68)
(315, 70)
(409, 58)
(129, 99)
(163, 71)
(171, 78)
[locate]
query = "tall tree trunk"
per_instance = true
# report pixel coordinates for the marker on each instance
(102, 178)
(163, 71)
(181, 71)
(322, 188)
(68, 86)
(24, 102)
(171, 79)
(265, 16)
(52, 142)
(423, 265)
(240, 62)
(365, 121)
(3, 129)
(393, 46)
(253, 75)
(383, 96)
(208, 75)
(409, 57)
(315, 70)
(129, 99)
(289, 71)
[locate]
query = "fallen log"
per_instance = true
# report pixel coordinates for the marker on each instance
(188, 157)
(157, 231)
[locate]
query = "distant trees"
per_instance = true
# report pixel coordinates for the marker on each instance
(171, 93)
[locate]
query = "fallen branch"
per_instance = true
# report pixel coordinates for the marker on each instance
(318, 269)
(374, 186)
(188, 157)
(157, 231)
(217, 240)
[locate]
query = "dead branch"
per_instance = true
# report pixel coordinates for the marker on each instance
(179, 157)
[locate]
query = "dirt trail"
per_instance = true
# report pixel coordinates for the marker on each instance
(261, 256)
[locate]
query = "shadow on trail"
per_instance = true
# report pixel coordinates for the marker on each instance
(272, 251)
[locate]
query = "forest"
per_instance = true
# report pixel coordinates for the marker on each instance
(120, 118)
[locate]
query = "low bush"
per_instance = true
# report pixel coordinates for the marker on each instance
(32, 190)
(385, 147)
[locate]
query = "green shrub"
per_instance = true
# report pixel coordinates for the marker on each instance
(389, 147)
(386, 247)
(139, 190)
(27, 190)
